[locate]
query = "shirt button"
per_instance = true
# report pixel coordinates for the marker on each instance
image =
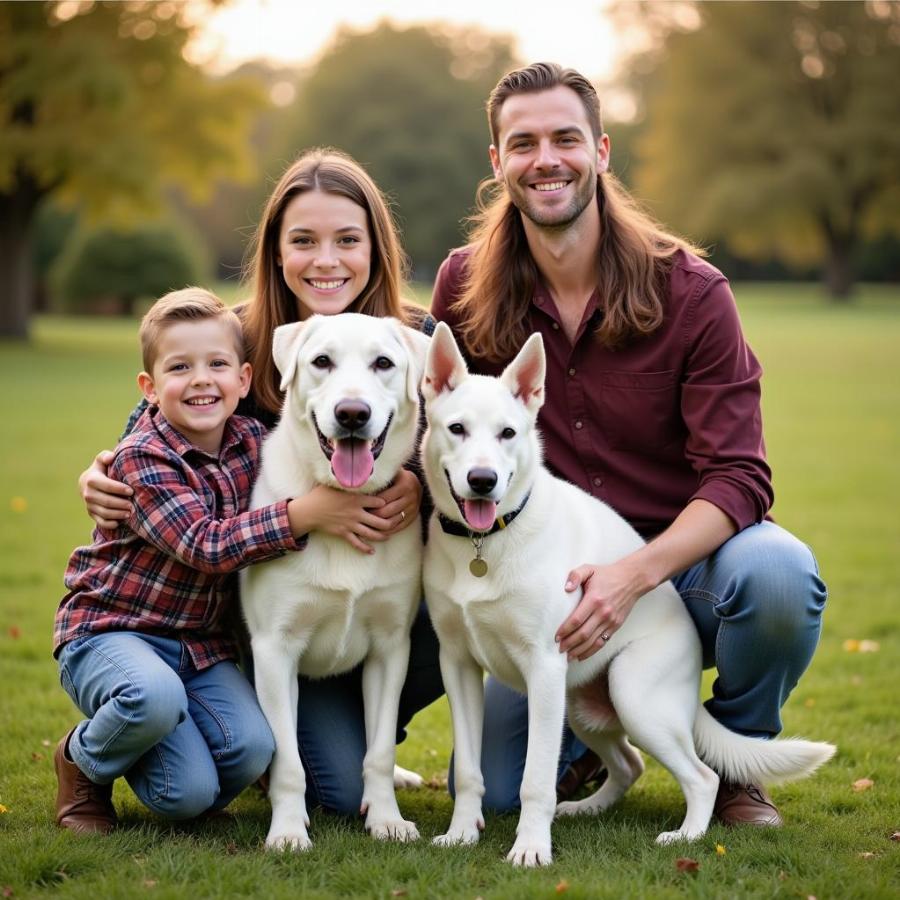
(556, 326)
(571, 372)
(597, 482)
(579, 424)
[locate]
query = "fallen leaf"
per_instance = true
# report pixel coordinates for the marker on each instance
(45, 743)
(811, 897)
(18, 504)
(685, 864)
(398, 892)
(562, 887)
(149, 883)
(895, 836)
(231, 848)
(869, 646)
(851, 645)
(863, 784)
(782, 875)
(867, 855)
(720, 850)
(809, 702)
(3, 809)
(438, 783)
(8, 891)
(37, 757)
(856, 680)
(14, 632)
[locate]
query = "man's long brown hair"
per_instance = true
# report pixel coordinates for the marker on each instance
(633, 259)
(331, 172)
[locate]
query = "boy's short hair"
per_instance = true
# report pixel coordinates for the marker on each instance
(188, 304)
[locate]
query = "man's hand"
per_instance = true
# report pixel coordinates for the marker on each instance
(610, 592)
(108, 502)
(401, 502)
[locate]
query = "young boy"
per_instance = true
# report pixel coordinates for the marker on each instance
(141, 638)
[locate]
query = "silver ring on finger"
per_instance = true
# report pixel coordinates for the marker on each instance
(402, 516)
(604, 637)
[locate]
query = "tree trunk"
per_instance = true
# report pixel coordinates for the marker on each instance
(17, 210)
(838, 273)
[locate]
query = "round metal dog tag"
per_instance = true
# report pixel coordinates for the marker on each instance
(478, 567)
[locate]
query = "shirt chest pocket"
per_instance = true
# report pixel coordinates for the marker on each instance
(640, 411)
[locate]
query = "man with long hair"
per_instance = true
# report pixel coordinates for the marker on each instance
(653, 406)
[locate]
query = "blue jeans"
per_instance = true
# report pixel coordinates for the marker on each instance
(187, 741)
(757, 605)
(331, 728)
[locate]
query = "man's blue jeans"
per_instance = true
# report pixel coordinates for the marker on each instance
(187, 741)
(756, 603)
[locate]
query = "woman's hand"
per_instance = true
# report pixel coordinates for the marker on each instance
(108, 502)
(401, 502)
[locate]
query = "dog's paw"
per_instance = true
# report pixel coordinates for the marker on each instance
(284, 841)
(672, 837)
(578, 808)
(407, 780)
(529, 853)
(393, 830)
(458, 836)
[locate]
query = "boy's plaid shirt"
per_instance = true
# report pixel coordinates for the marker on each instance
(170, 569)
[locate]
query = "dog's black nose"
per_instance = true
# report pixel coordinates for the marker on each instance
(352, 414)
(482, 481)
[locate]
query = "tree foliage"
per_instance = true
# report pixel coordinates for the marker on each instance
(776, 126)
(99, 106)
(408, 103)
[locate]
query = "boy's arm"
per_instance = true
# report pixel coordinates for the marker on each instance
(168, 512)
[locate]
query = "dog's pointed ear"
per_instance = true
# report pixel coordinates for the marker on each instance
(445, 367)
(524, 376)
(417, 343)
(286, 343)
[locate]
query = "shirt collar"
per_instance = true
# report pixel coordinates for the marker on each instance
(231, 436)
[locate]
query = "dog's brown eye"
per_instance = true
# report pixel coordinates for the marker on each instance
(456, 428)
(384, 363)
(322, 361)
(508, 434)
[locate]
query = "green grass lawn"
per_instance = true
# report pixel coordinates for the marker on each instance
(832, 412)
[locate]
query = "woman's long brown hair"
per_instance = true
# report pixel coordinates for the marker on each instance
(272, 303)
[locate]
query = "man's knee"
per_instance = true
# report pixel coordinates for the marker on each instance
(776, 582)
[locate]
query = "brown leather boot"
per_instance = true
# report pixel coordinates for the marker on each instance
(588, 767)
(746, 804)
(81, 805)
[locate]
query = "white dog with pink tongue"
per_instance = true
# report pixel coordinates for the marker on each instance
(349, 420)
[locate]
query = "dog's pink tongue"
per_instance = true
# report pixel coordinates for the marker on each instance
(480, 514)
(352, 462)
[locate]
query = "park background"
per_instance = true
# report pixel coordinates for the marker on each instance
(137, 144)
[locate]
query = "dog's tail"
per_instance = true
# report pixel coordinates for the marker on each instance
(746, 760)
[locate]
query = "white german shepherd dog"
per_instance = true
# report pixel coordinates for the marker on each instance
(496, 599)
(349, 420)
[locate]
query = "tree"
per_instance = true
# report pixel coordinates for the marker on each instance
(409, 105)
(776, 126)
(98, 105)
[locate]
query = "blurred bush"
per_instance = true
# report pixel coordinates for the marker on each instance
(109, 269)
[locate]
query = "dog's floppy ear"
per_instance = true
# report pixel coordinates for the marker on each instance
(445, 367)
(286, 343)
(524, 376)
(417, 344)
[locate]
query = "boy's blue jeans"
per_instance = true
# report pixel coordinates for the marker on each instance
(757, 605)
(187, 741)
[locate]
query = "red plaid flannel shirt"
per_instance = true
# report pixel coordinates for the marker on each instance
(171, 568)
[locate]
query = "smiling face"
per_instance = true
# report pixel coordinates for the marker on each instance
(547, 155)
(197, 379)
(325, 252)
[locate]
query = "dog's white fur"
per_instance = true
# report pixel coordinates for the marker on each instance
(645, 681)
(322, 611)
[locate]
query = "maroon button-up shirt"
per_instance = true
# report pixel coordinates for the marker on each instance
(661, 421)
